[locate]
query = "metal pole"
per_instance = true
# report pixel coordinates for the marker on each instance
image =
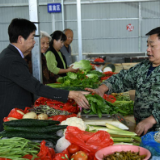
(79, 27)
(36, 54)
(62, 4)
(140, 27)
(53, 22)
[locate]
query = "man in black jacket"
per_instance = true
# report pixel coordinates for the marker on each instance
(17, 85)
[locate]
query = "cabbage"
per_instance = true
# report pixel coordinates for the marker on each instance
(82, 65)
(91, 75)
(72, 75)
(60, 80)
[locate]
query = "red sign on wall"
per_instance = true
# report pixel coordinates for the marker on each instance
(130, 27)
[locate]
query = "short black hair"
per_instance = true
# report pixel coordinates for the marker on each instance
(154, 31)
(19, 27)
(57, 35)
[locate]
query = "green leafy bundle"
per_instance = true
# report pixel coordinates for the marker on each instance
(99, 106)
(76, 81)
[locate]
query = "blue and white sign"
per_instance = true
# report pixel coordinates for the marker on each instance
(54, 7)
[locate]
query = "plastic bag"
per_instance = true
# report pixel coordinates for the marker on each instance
(149, 143)
(16, 113)
(46, 153)
(89, 142)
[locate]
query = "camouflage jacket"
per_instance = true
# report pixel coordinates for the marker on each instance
(147, 96)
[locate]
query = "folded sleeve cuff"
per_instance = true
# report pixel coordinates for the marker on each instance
(109, 85)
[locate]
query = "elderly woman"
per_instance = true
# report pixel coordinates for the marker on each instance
(56, 61)
(48, 77)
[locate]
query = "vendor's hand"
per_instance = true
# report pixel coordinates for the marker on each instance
(79, 98)
(100, 90)
(143, 126)
(70, 69)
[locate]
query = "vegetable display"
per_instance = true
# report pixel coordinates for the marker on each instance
(32, 129)
(82, 65)
(99, 106)
(30, 123)
(118, 135)
(15, 148)
(48, 110)
(79, 83)
(74, 121)
(124, 155)
(46, 129)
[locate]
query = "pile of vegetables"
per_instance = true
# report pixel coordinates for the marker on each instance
(78, 81)
(82, 65)
(23, 149)
(70, 106)
(74, 121)
(15, 148)
(118, 135)
(124, 155)
(99, 106)
(85, 78)
(45, 111)
(32, 129)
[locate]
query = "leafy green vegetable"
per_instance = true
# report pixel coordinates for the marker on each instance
(100, 106)
(72, 75)
(99, 74)
(76, 81)
(60, 80)
(124, 107)
(82, 65)
(92, 75)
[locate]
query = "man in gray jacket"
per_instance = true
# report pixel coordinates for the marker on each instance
(66, 49)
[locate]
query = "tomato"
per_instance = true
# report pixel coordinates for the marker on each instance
(80, 155)
(73, 148)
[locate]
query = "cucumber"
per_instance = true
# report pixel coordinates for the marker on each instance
(109, 67)
(44, 129)
(30, 122)
(28, 135)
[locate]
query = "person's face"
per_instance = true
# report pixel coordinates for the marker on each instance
(153, 49)
(27, 44)
(69, 35)
(58, 44)
(44, 44)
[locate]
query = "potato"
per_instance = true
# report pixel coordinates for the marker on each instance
(43, 116)
(30, 115)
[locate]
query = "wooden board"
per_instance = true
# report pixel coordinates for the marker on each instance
(127, 66)
(119, 67)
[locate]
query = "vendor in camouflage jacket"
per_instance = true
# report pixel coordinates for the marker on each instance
(145, 79)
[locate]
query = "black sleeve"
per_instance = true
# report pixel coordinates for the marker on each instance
(20, 75)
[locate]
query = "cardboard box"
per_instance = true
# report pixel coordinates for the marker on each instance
(132, 94)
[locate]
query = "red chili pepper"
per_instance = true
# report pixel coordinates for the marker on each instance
(109, 98)
(104, 78)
